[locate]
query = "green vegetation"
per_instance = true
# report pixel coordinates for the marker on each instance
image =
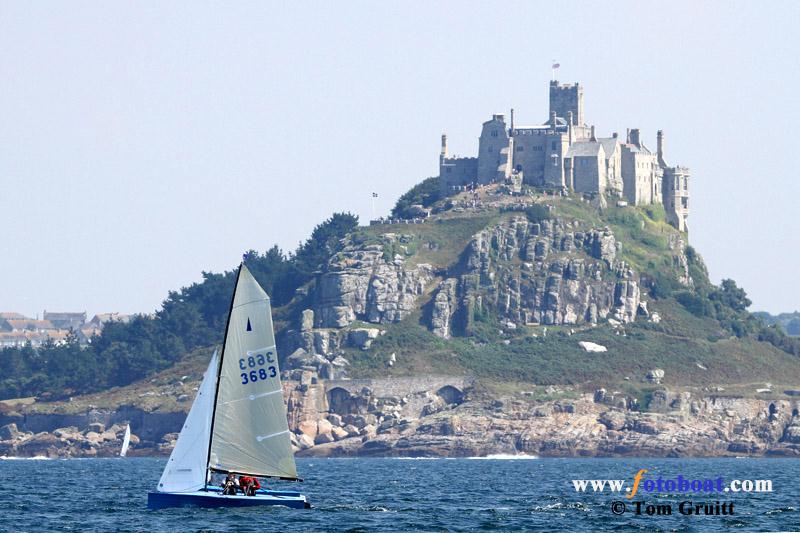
(788, 322)
(706, 335)
(537, 213)
(190, 318)
(425, 194)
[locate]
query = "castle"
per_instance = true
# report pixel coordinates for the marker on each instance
(566, 154)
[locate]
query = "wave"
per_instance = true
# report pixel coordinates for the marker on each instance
(506, 456)
(36, 458)
(423, 458)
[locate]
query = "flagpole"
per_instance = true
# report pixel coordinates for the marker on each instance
(373, 206)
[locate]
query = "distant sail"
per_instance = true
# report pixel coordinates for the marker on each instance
(186, 468)
(251, 434)
(126, 441)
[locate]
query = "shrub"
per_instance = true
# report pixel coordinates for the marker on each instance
(537, 213)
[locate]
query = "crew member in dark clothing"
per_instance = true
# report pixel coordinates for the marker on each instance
(230, 485)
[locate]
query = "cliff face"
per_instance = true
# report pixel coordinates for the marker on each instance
(362, 283)
(553, 272)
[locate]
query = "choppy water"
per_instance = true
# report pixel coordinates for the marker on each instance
(395, 495)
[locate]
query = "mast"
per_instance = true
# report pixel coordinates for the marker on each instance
(219, 370)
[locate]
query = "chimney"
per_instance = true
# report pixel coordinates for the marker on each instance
(553, 119)
(614, 135)
(635, 136)
(628, 136)
(444, 146)
(660, 147)
(593, 138)
(512, 121)
(570, 118)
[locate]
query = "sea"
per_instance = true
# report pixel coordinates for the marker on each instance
(501, 493)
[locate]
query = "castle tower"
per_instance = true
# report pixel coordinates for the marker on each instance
(443, 154)
(660, 148)
(565, 98)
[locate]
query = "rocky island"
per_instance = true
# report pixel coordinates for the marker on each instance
(531, 300)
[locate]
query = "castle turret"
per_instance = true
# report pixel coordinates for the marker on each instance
(593, 137)
(565, 98)
(444, 146)
(634, 137)
(660, 148)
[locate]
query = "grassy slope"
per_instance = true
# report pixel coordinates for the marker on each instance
(681, 344)
(678, 344)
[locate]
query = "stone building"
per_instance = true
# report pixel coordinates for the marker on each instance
(641, 173)
(565, 154)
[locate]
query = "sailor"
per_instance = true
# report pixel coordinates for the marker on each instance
(249, 485)
(230, 485)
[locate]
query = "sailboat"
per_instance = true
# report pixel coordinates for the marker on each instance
(237, 423)
(126, 441)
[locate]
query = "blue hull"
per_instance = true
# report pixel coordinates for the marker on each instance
(214, 498)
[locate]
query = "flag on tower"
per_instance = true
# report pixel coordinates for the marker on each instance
(556, 65)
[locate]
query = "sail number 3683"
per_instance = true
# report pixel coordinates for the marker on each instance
(259, 371)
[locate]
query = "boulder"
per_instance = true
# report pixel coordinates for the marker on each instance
(93, 437)
(351, 430)
(339, 433)
(68, 433)
(335, 419)
(323, 438)
(96, 427)
(599, 395)
(362, 337)
(368, 432)
(655, 376)
(592, 347)
(305, 442)
(324, 427)
(307, 320)
(8, 432)
(613, 420)
(308, 427)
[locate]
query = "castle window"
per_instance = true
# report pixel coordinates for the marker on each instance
(490, 149)
(494, 133)
(520, 148)
(554, 145)
(449, 170)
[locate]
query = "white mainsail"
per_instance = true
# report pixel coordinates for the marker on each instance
(250, 430)
(187, 465)
(126, 441)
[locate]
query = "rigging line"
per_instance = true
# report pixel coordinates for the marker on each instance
(219, 371)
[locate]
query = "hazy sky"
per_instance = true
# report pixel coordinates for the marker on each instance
(144, 142)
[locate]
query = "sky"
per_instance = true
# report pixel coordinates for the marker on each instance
(142, 143)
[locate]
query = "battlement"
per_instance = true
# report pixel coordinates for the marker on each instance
(567, 154)
(566, 99)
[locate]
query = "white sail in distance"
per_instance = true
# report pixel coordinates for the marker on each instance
(187, 465)
(250, 430)
(126, 441)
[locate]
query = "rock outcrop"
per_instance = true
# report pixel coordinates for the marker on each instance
(551, 272)
(364, 283)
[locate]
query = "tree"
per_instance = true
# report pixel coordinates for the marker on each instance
(312, 255)
(425, 194)
(731, 296)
